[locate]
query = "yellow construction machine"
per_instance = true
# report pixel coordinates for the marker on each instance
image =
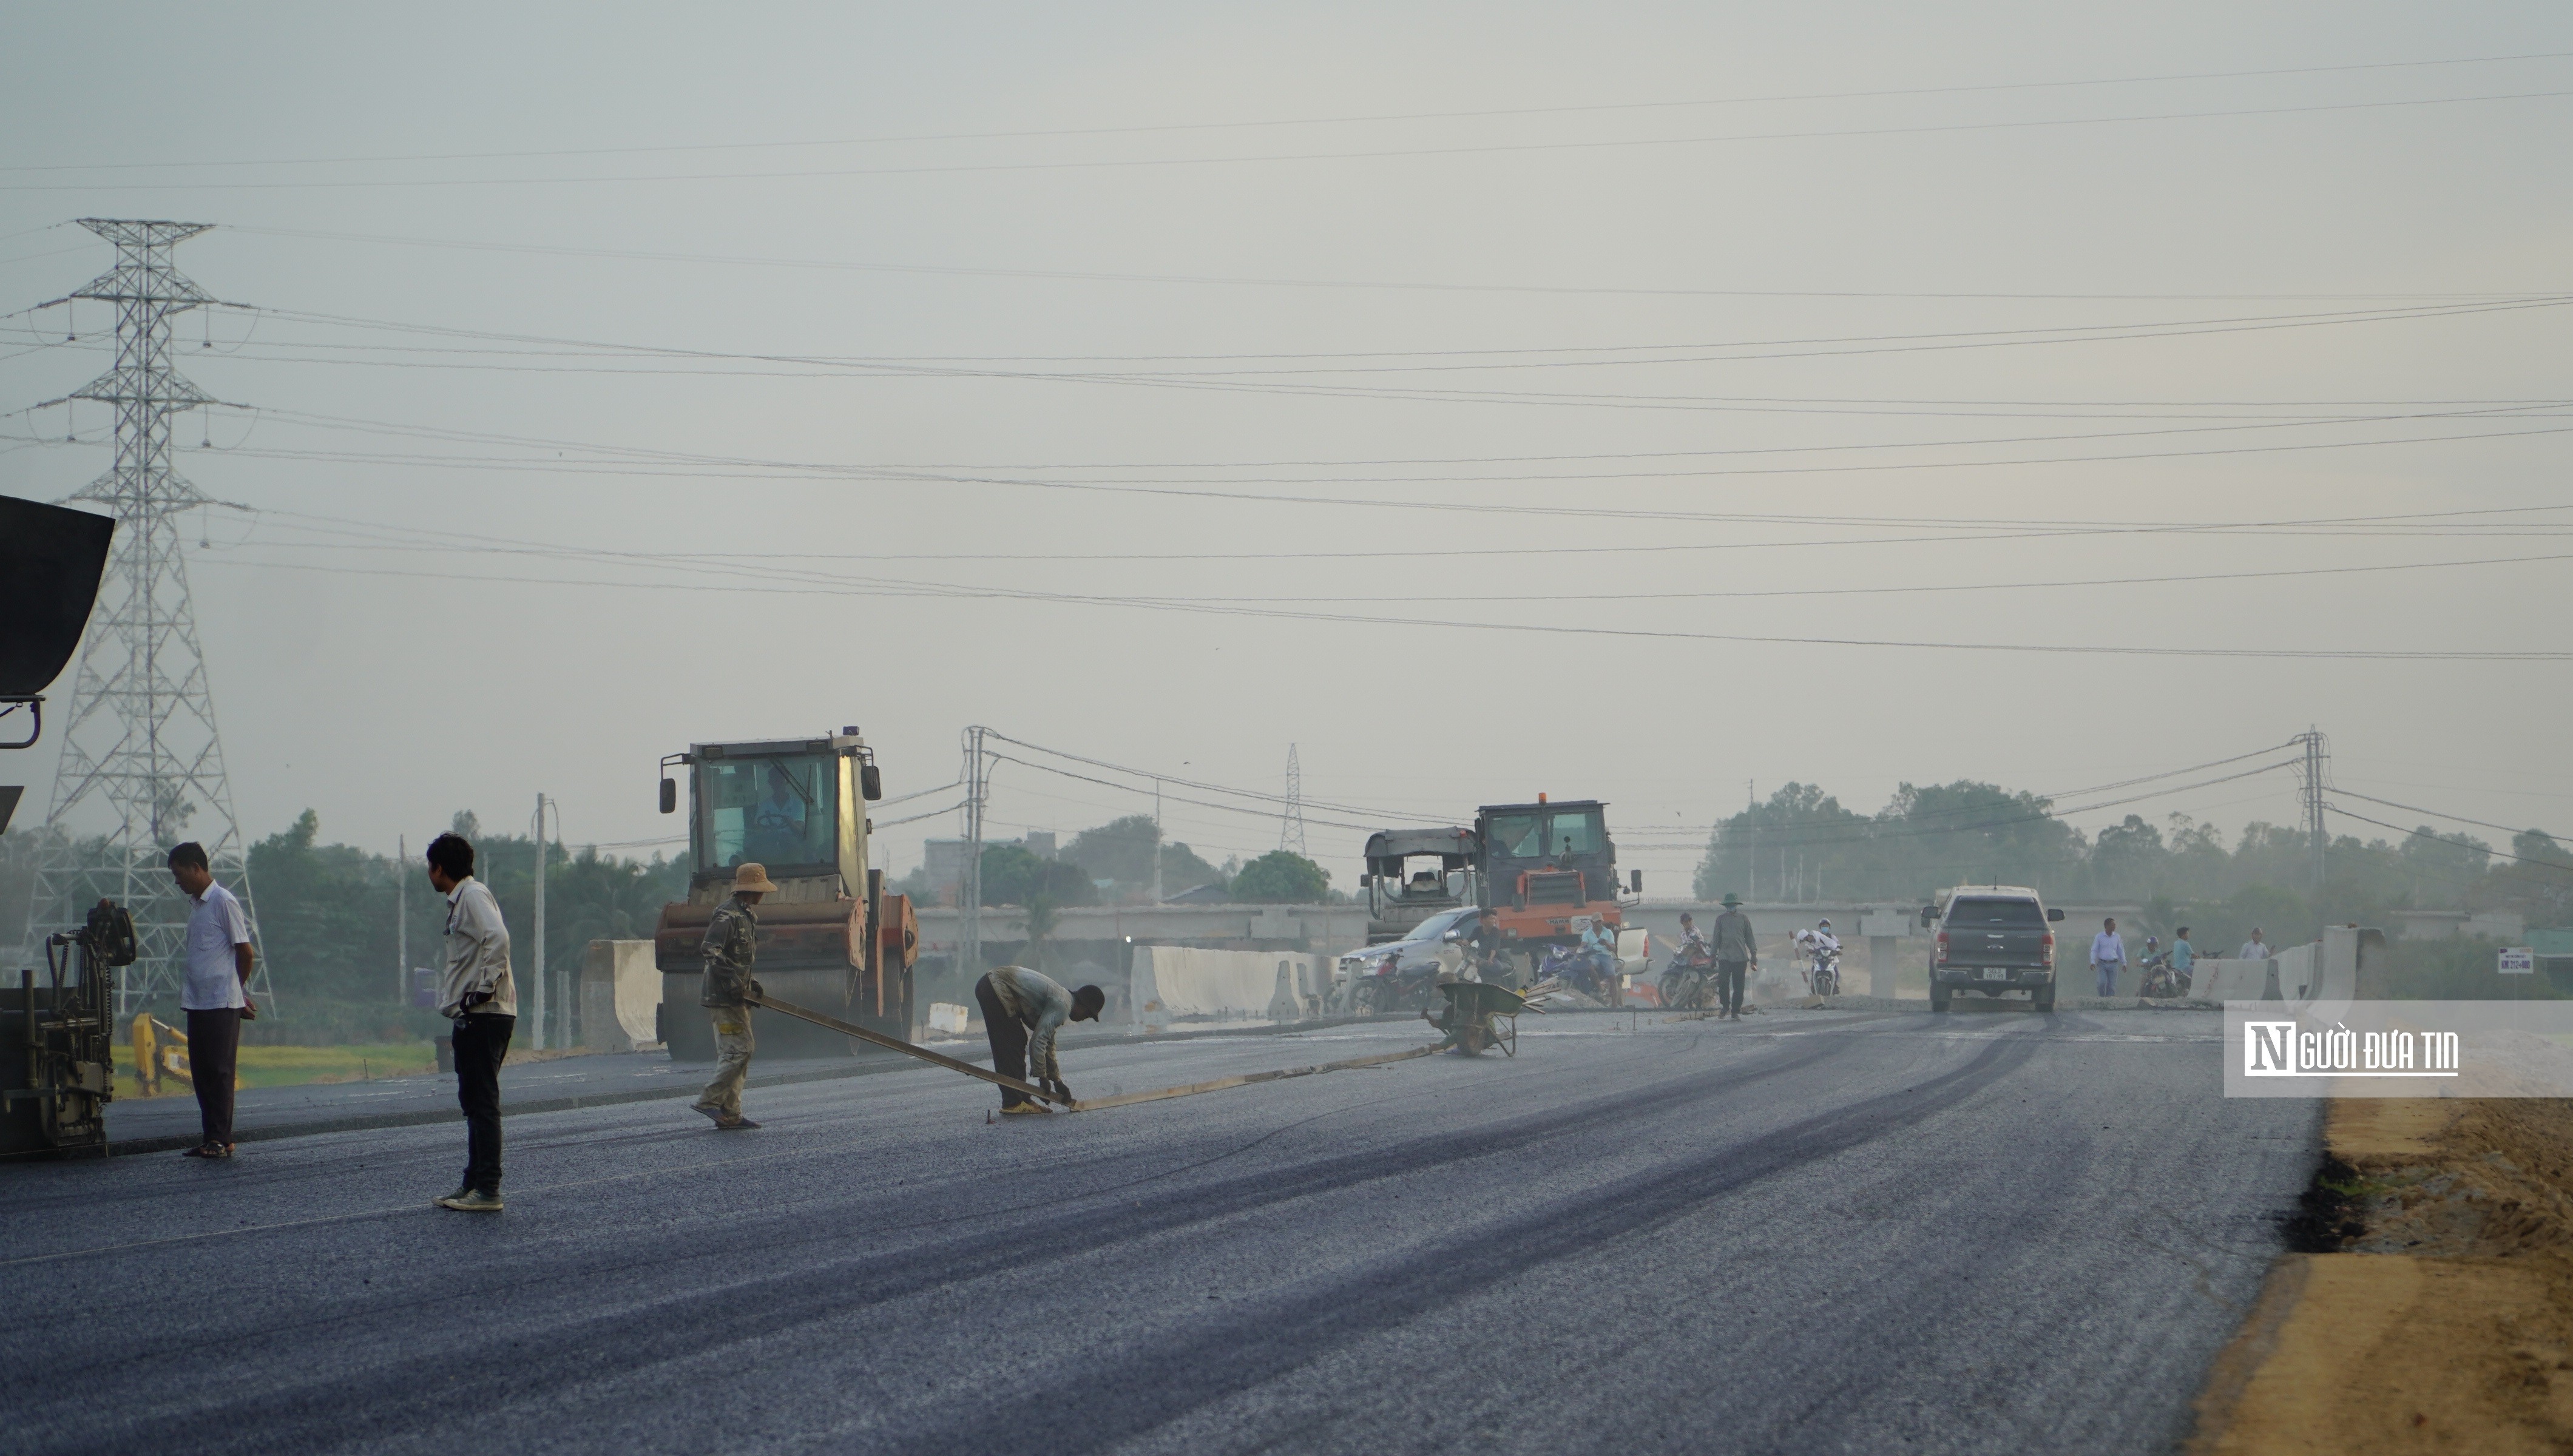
(829, 937)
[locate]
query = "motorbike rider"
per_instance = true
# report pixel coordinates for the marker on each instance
(1695, 955)
(1489, 958)
(1823, 949)
(1599, 954)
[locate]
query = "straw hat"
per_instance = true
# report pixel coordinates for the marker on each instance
(748, 878)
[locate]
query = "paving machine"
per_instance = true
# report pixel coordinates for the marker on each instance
(1547, 872)
(829, 937)
(58, 1041)
(1413, 874)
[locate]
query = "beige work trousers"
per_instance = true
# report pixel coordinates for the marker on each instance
(734, 1044)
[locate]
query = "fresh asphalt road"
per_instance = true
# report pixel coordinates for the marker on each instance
(1810, 1232)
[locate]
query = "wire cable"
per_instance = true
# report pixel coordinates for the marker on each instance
(1343, 120)
(2436, 814)
(1485, 149)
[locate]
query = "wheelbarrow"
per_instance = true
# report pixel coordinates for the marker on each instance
(1480, 1014)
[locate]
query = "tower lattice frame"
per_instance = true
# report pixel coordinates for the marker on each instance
(139, 744)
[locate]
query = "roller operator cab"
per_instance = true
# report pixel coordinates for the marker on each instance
(829, 937)
(1414, 874)
(1546, 871)
(1993, 939)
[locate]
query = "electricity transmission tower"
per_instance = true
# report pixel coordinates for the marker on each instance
(140, 742)
(2317, 756)
(1291, 830)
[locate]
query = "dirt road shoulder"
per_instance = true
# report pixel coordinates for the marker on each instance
(2432, 1307)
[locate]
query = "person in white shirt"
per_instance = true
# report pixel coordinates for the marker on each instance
(479, 993)
(220, 956)
(2253, 948)
(2108, 954)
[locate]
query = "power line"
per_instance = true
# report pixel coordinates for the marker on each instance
(1375, 154)
(716, 563)
(1549, 628)
(2441, 838)
(2438, 814)
(1236, 380)
(1375, 284)
(1272, 802)
(1341, 120)
(664, 463)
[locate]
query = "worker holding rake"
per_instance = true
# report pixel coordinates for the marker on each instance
(1022, 1012)
(730, 947)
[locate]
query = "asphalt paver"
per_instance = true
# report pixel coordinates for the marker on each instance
(1805, 1233)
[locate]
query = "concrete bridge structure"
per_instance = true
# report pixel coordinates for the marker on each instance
(1100, 936)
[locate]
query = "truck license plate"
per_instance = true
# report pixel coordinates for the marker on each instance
(1996, 972)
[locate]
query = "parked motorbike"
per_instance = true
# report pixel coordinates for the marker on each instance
(2162, 981)
(1582, 971)
(1687, 979)
(1389, 986)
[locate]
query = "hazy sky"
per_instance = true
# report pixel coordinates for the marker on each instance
(1507, 316)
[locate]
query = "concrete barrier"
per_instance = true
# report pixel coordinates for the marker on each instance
(1188, 980)
(620, 990)
(2220, 979)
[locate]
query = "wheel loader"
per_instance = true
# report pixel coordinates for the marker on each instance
(829, 938)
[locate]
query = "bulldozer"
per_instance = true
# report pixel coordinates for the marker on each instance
(829, 937)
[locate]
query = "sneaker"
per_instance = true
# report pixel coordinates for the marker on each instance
(462, 1190)
(472, 1201)
(209, 1149)
(1025, 1109)
(734, 1125)
(711, 1115)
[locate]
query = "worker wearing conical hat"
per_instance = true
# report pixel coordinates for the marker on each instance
(730, 945)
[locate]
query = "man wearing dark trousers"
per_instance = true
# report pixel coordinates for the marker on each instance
(1022, 1012)
(478, 994)
(214, 994)
(1737, 954)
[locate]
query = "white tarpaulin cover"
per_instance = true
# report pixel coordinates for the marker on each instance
(1187, 980)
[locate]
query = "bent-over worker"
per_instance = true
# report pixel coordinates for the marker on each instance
(1022, 1012)
(732, 944)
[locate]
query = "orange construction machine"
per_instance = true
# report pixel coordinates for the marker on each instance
(829, 937)
(1548, 871)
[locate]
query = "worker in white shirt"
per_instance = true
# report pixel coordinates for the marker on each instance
(2108, 956)
(2255, 949)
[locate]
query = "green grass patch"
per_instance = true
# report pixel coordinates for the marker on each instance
(302, 1065)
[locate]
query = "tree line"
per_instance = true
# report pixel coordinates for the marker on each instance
(331, 919)
(1802, 844)
(1112, 863)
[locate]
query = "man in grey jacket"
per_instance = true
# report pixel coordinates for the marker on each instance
(1737, 954)
(1022, 1012)
(479, 994)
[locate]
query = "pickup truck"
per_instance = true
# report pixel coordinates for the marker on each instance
(1993, 939)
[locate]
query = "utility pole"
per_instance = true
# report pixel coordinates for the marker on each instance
(141, 743)
(1156, 841)
(402, 919)
(538, 835)
(2317, 756)
(977, 787)
(1291, 832)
